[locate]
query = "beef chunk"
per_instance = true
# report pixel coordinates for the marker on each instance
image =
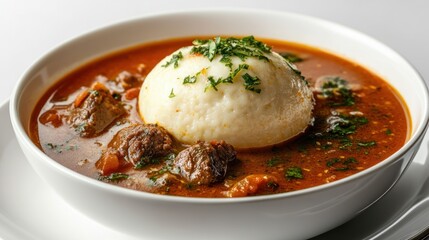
(95, 113)
(128, 80)
(139, 144)
(204, 163)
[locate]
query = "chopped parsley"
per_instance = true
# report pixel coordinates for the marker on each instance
(342, 165)
(229, 79)
(337, 90)
(229, 47)
(367, 144)
(293, 58)
(213, 83)
(250, 83)
(274, 161)
(294, 173)
(226, 49)
(145, 160)
(59, 148)
(341, 125)
(236, 71)
(345, 143)
(174, 60)
(114, 177)
(172, 95)
(190, 79)
(193, 78)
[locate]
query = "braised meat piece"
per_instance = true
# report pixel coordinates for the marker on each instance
(204, 163)
(128, 80)
(93, 112)
(139, 144)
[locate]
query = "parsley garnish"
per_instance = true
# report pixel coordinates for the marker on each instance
(213, 83)
(174, 60)
(342, 165)
(336, 89)
(274, 161)
(190, 79)
(341, 125)
(293, 58)
(193, 78)
(250, 83)
(294, 172)
(172, 95)
(346, 143)
(59, 148)
(114, 177)
(145, 160)
(367, 144)
(228, 47)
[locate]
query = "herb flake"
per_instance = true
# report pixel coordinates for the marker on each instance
(172, 95)
(114, 177)
(342, 164)
(274, 161)
(291, 57)
(338, 92)
(174, 60)
(250, 83)
(294, 173)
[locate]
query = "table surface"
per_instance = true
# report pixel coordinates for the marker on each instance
(31, 28)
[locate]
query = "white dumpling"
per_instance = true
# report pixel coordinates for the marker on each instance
(182, 95)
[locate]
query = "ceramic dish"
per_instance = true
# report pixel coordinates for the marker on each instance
(31, 209)
(295, 215)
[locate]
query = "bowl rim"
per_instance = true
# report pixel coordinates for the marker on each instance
(23, 137)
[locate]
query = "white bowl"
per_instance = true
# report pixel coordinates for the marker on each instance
(294, 215)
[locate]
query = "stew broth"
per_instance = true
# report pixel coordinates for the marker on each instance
(354, 128)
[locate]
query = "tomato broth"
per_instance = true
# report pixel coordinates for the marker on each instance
(359, 120)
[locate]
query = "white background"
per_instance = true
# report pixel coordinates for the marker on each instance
(28, 29)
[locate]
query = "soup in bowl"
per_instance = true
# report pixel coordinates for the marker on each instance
(172, 124)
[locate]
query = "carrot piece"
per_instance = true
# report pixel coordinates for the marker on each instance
(107, 164)
(81, 97)
(132, 93)
(99, 86)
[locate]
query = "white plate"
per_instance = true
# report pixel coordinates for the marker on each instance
(29, 209)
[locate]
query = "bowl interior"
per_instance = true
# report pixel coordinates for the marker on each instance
(291, 27)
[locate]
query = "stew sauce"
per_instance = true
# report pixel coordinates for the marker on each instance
(359, 121)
